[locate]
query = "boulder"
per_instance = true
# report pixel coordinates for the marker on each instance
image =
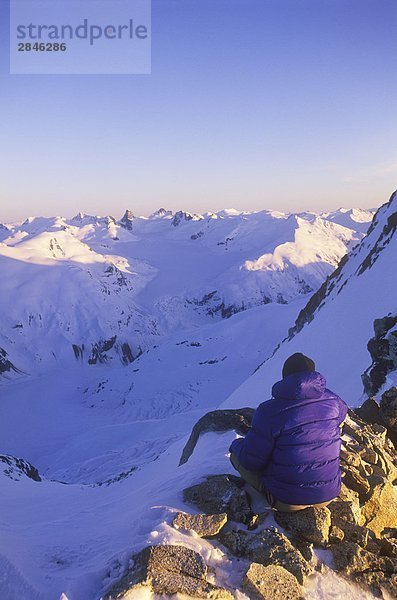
(346, 520)
(271, 583)
(351, 558)
(312, 524)
(379, 582)
(380, 508)
(356, 481)
(268, 547)
(168, 570)
(388, 410)
(336, 535)
(343, 511)
(369, 412)
(221, 494)
(203, 525)
(388, 407)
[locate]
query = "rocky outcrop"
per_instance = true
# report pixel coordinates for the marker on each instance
(311, 524)
(271, 583)
(388, 409)
(383, 350)
(181, 216)
(6, 365)
(17, 468)
(168, 570)
(127, 219)
(204, 525)
(359, 527)
(221, 494)
(384, 413)
(268, 547)
(218, 420)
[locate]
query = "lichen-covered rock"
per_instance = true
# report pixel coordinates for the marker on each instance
(380, 509)
(351, 558)
(336, 535)
(221, 494)
(343, 511)
(268, 547)
(168, 570)
(356, 481)
(379, 582)
(313, 524)
(203, 525)
(345, 519)
(271, 583)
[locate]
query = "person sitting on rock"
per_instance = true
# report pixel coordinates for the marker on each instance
(291, 454)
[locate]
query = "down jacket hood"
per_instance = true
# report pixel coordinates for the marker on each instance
(300, 386)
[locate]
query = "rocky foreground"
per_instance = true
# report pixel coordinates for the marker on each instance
(359, 528)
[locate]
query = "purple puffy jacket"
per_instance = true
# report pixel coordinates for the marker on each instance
(295, 440)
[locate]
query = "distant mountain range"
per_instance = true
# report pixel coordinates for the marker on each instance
(97, 289)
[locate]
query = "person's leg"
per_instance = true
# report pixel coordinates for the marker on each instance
(284, 507)
(254, 478)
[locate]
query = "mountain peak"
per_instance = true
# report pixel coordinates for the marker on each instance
(126, 220)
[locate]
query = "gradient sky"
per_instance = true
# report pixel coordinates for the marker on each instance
(283, 104)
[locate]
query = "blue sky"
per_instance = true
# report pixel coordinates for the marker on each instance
(283, 104)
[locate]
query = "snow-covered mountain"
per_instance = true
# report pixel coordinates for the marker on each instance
(207, 300)
(100, 290)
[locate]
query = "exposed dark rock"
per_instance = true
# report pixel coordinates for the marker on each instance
(127, 219)
(6, 365)
(99, 349)
(268, 547)
(180, 216)
(384, 238)
(126, 354)
(388, 408)
(15, 467)
(271, 583)
(370, 412)
(221, 494)
(383, 350)
(218, 420)
(312, 524)
(168, 570)
(78, 351)
(203, 525)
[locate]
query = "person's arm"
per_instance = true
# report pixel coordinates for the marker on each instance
(255, 449)
(343, 408)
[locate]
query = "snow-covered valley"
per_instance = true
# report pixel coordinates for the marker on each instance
(116, 336)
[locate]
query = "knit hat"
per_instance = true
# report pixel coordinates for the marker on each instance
(297, 363)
